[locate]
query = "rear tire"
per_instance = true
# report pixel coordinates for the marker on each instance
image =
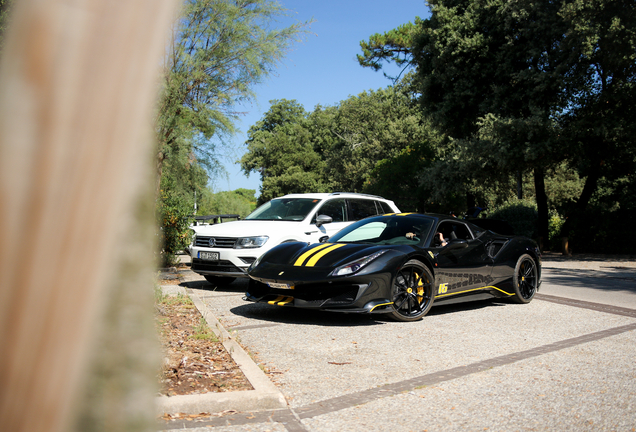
(525, 279)
(219, 280)
(412, 291)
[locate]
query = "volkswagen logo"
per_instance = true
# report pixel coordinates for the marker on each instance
(211, 242)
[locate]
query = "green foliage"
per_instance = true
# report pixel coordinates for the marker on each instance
(202, 332)
(219, 50)
(5, 18)
(531, 85)
(554, 237)
(393, 46)
(397, 178)
(280, 148)
(362, 144)
(520, 214)
(175, 214)
(375, 126)
(231, 202)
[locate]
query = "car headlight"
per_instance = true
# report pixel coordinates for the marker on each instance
(354, 266)
(250, 242)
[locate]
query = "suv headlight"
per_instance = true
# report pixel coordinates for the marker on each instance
(250, 242)
(354, 266)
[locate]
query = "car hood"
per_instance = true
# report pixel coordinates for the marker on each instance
(248, 228)
(317, 255)
(297, 261)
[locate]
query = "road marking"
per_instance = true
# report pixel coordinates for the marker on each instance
(599, 307)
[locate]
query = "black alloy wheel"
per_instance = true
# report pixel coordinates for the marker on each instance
(525, 279)
(412, 291)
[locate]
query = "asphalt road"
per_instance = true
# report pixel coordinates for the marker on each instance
(566, 361)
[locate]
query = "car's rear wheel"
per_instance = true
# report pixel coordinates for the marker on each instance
(525, 279)
(219, 280)
(412, 291)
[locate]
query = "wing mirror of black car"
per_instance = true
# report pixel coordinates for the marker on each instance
(323, 239)
(323, 219)
(457, 244)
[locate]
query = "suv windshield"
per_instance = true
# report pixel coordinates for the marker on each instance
(290, 209)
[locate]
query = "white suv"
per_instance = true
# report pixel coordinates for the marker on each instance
(224, 251)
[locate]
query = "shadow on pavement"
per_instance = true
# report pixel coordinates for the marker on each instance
(291, 315)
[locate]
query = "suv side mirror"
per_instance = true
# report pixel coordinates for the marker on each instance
(323, 239)
(323, 219)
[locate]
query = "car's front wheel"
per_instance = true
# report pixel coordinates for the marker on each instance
(219, 280)
(412, 291)
(525, 279)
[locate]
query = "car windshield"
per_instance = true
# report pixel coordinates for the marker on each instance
(386, 230)
(289, 209)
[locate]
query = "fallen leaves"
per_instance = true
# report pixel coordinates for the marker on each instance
(190, 417)
(194, 361)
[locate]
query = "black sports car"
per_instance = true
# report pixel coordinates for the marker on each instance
(398, 264)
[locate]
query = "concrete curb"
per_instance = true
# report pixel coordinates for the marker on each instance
(264, 396)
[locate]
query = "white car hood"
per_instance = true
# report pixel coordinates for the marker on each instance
(249, 228)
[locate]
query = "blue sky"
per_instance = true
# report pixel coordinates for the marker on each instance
(323, 68)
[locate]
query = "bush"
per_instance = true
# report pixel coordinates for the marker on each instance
(554, 230)
(520, 214)
(175, 217)
(603, 232)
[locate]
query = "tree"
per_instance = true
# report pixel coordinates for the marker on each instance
(599, 119)
(280, 148)
(219, 50)
(527, 84)
(394, 46)
(371, 127)
(339, 147)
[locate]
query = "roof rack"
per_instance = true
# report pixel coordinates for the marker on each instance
(357, 193)
(215, 218)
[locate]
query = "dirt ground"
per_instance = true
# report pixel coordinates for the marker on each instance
(194, 360)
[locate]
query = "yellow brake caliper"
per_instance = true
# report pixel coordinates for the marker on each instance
(420, 289)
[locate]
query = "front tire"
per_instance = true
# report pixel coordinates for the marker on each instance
(412, 291)
(219, 280)
(525, 279)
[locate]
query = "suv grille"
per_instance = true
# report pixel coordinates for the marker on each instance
(219, 242)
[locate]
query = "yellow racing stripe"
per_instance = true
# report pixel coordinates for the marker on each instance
(301, 259)
(314, 259)
(474, 289)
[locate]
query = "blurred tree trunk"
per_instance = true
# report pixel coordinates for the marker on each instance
(77, 86)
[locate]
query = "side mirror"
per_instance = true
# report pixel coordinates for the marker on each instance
(323, 239)
(323, 219)
(457, 244)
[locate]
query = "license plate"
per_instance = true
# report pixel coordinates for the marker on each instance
(280, 285)
(210, 256)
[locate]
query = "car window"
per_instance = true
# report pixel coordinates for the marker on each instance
(361, 208)
(366, 232)
(295, 209)
(386, 230)
(335, 209)
(383, 207)
(454, 230)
